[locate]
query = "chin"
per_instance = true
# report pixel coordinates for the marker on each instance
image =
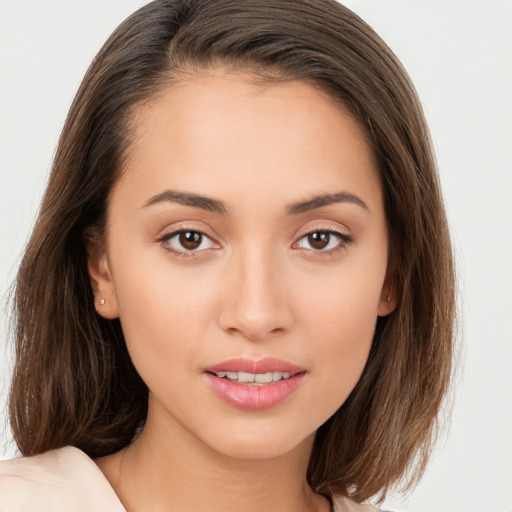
(260, 444)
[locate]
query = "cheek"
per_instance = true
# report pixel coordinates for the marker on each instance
(161, 310)
(341, 339)
(339, 316)
(342, 330)
(343, 304)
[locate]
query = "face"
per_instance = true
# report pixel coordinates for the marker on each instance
(246, 256)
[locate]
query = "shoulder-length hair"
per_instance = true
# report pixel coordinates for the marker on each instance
(74, 383)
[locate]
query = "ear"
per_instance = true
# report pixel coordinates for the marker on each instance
(105, 300)
(389, 293)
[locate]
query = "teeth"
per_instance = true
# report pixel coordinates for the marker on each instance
(264, 378)
(257, 378)
(245, 377)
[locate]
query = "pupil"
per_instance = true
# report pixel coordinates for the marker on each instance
(190, 239)
(319, 240)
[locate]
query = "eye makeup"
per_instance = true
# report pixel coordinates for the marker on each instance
(188, 241)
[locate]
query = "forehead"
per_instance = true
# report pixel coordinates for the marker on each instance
(225, 133)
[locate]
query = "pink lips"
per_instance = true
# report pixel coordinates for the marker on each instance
(250, 396)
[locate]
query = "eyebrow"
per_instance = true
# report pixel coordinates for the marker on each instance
(188, 199)
(216, 206)
(325, 200)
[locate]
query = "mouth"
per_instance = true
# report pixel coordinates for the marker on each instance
(254, 385)
(255, 379)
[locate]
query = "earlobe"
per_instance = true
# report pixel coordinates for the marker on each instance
(387, 305)
(388, 297)
(105, 300)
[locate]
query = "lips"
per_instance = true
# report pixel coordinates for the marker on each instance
(254, 385)
(266, 365)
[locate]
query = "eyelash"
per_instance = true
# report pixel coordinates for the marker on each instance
(176, 252)
(343, 238)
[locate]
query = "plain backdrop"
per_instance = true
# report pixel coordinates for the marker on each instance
(459, 54)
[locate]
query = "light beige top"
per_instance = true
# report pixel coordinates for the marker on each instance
(67, 480)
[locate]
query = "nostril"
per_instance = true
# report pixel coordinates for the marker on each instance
(254, 307)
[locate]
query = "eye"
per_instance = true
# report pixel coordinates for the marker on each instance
(325, 241)
(187, 241)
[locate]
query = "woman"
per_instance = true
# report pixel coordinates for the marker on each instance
(239, 291)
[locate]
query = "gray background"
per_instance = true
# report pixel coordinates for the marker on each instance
(459, 54)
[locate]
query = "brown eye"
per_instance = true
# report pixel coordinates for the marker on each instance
(190, 240)
(319, 239)
(325, 242)
(187, 242)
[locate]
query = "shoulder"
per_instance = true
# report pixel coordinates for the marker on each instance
(57, 481)
(343, 504)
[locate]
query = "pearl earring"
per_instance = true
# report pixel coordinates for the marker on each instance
(102, 302)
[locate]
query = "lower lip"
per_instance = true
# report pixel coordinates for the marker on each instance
(254, 397)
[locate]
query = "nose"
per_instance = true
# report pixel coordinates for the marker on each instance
(255, 304)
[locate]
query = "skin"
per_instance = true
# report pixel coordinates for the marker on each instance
(256, 286)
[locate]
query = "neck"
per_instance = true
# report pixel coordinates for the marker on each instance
(169, 469)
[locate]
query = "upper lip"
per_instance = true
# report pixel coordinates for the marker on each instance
(266, 365)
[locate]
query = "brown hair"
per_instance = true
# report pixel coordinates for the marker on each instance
(74, 383)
